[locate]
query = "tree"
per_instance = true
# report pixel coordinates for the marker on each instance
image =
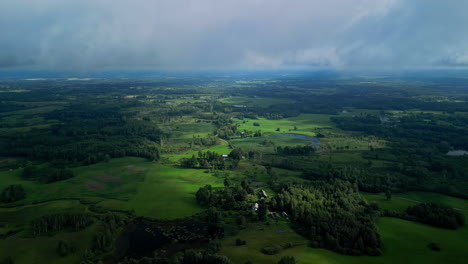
(236, 154)
(262, 210)
(434, 246)
(388, 194)
(227, 182)
(12, 193)
(436, 215)
(64, 248)
(287, 260)
(8, 260)
(241, 220)
(240, 242)
(213, 215)
(204, 195)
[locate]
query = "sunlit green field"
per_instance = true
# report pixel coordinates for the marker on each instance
(263, 143)
(394, 204)
(305, 124)
(117, 179)
(151, 189)
(405, 242)
(437, 198)
(254, 101)
(190, 130)
(222, 148)
(169, 192)
(401, 201)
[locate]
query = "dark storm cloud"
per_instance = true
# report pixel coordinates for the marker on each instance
(92, 34)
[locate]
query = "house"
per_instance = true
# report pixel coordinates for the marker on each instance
(262, 194)
(255, 207)
(284, 214)
(224, 156)
(273, 215)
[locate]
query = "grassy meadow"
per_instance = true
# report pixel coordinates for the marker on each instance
(405, 242)
(306, 124)
(400, 201)
(254, 101)
(151, 189)
(169, 192)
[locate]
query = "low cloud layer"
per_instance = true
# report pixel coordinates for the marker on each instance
(199, 34)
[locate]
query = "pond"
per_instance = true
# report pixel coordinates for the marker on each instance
(315, 141)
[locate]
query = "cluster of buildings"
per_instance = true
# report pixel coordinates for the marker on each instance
(274, 215)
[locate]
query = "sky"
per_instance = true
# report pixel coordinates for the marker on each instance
(233, 34)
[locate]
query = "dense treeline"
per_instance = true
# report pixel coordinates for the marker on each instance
(418, 144)
(436, 215)
(297, 150)
(46, 174)
(231, 197)
(87, 133)
(56, 222)
(103, 240)
(204, 160)
(189, 257)
(12, 193)
(332, 215)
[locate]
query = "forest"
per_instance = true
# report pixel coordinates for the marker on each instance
(241, 168)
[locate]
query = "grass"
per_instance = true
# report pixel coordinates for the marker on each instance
(19, 217)
(188, 131)
(405, 242)
(26, 249)
(394, 204)
(399, 204)
(43, 249)
(254, 101)
(258, 236)
(151, 189)
(223, 148)
(437, 198)
(169, 192)
(306, 124)
(256, 143)
(117, 179)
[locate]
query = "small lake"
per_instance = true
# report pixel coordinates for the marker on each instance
(457, 153)
(315, 141)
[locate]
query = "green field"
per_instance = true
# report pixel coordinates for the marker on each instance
(117, 179)
(405, 242)
(306, 124)
(254, 101)
(401, 201)
(257, 143)
(42, 249)
(395, 204)
(436, 198)
(221, 149)
(151, 189)
(189, 130)
(27, 249)
(169, 192)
